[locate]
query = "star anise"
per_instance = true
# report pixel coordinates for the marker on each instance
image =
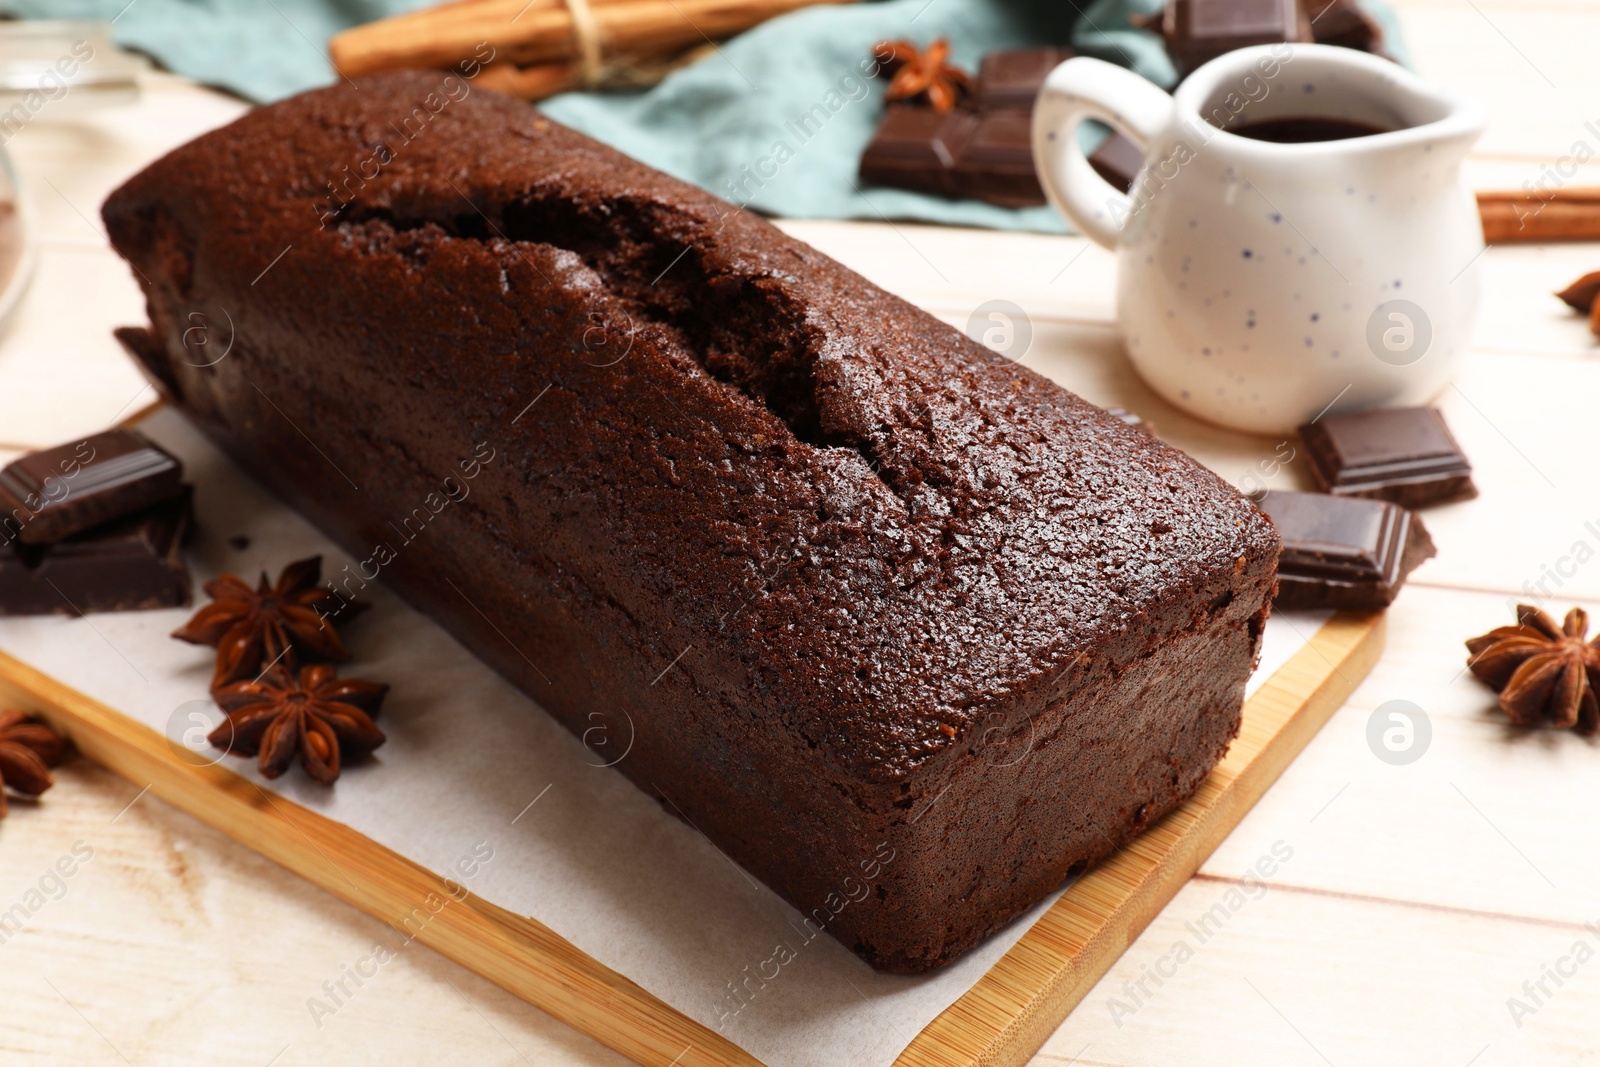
(286, 622)
(1580, 296)
(1542, 671)
(322, 718)
(27, 752)
(926, 76)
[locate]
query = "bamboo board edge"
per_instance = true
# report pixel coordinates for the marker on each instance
(1010, 1012)
(519, 954)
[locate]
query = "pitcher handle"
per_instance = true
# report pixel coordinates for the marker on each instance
(1080, 89)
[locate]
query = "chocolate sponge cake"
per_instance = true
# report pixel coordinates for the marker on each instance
(908, 631)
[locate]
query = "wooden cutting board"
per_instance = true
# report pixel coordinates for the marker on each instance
(1000, 1021)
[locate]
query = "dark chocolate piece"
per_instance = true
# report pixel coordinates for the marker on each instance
(1117, 160)
(1010, 79)
(1340, 552)
(1346, 24)
(1406, 455)
(1198, 31)
(916, 148)
(987, 154)
(130, 564)
(57, 492)
(995, 164)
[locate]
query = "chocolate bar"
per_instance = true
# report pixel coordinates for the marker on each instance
(995, 163)
(1198, 31)
(916, 149)
(1343, 552)
(1406, 455)
(55, 493)
(986, 154)
(1117, 160)
(1010, 79)
(129, 564)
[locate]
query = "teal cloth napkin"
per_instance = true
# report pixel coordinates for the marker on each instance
(730, 123)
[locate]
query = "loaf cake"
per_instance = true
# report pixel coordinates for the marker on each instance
(907, 630)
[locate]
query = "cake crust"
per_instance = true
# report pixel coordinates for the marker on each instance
(881, 605)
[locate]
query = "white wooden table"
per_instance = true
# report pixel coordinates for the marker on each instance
(1418, 898)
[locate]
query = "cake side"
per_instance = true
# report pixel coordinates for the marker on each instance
(821, 549)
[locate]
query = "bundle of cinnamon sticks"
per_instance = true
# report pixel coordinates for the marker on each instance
(535, 48)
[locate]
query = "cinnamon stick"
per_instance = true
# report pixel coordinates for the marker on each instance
(1557, 215)
(543, 32)
(541, 80)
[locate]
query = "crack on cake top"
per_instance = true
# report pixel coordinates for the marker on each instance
(742, 331)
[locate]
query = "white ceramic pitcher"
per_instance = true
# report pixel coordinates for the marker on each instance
(1261, 283)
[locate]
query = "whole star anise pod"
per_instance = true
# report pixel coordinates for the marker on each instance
(1543, 672)
(319, 717)
(287, 621)
(27, 752)
(1580, 296)
(915, 75)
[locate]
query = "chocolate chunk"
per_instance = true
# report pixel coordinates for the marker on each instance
(1117, 160)
(996, 162)
(1198, 31)
(1346, 24)
(1406, 455)
(60, 491)
(986, 154)
(129, 564)
(1340, 552)
(1010, 79)
(916, 148)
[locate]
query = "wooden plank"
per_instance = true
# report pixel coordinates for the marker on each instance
(1527, 63)
(518, 954)
(1002, 1020)
(64, 373)
(1470, 825)
(240, 946)
(1306, 979)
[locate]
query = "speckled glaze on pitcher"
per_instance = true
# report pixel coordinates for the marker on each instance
(1261, 283)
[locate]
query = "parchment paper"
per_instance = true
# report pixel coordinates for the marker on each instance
(472, 769)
